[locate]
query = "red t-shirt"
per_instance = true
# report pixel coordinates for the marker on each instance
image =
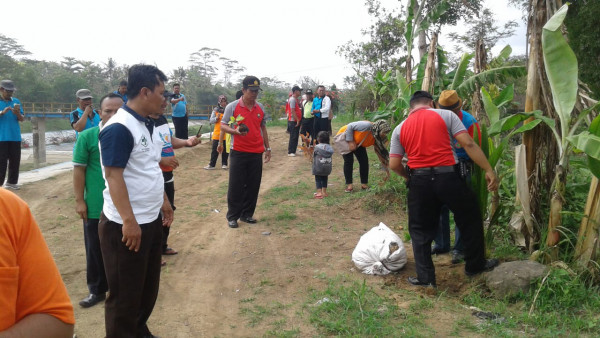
(297, 109)
(426, 138)
(252, 142)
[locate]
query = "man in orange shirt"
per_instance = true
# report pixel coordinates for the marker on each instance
(26, 309)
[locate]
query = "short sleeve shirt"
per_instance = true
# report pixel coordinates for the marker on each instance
(91, 123)
(254, 118)
(179, 107)
(87, 155)
(9, 125)
(426, 138)
(29, 279)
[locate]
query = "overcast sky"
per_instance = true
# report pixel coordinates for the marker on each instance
(274, 38)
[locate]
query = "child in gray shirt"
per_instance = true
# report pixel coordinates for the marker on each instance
(322, 163)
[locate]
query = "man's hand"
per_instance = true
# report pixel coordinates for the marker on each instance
(6, 110)
(267, 156)
(132, 235)
(169, 162)
(193, 141)
(17, 109)
(492, 180)
(81, 209)
(298, 124)
(88, 111)
(167, 213)
(220, 148)
(238, 132)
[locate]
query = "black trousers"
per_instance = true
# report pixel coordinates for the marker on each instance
(363, 165)
(96, 277)
(294, 134)
(245, 174)
(426, 195)
(133, 278)
(308, 126)
(321, 124)
(181, 127)
(10, 157)
(170, 191)
(321, 181)
(214, 154)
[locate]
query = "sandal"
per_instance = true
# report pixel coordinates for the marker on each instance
(319, 197)
(348, 190)
(169, 252)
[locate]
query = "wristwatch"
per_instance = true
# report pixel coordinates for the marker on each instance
(268, 149)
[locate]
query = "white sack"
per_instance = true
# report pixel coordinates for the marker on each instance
(379, 252)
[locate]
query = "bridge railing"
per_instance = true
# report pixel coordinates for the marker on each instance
(62, 110)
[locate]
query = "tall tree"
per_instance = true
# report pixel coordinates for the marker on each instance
(204, 59)
(10, 47)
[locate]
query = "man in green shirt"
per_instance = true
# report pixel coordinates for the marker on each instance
(89, 184)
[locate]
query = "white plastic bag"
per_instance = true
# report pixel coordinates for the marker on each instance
(379, 252)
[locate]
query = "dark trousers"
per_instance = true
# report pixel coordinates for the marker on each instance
(133, 278)
(170, 191)
(294, 134)
(10, 156)
(442, 239)
(308, 126)
(245, 174)
(321, 181)
(214, 154)
(96, 278)
(321, 124)
(363, 165)
(426, 195)
(181, 127)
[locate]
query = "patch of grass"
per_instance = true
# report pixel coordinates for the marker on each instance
(306, 226)
(285, 215)
(356, 310)
(201, 213)
(257, 313)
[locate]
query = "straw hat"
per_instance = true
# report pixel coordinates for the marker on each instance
(449, 100)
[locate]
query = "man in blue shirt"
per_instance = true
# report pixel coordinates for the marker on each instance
(122, 91)
(84, 117)
(179, 115)
(11, 113)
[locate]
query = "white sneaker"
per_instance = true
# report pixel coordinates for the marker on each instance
(292, 155)
(11, 186)
(224, 166)
(208, 167)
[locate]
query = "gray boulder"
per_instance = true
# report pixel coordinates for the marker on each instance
(510, 278)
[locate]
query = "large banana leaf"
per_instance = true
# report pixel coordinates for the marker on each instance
(588, 143)
(490, 108)
(509, 122)
(506, 96)
(561, 66)
(489, 76)
(594, 164)
(420, 73)
(409, 33)
(433, 16)
(478, 182)
(461, 70)
(502, 57)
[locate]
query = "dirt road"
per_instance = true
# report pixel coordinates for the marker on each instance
(249, 281)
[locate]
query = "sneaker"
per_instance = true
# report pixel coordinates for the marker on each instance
(224, 166)
(457, 257)
(208, 167)
(11, 186)
(292, 155)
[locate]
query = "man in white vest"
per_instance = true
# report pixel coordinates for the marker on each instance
(131, 223)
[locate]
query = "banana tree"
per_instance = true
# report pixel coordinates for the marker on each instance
(500, 132)
(396, 109)
(561, 67)
(417, 21)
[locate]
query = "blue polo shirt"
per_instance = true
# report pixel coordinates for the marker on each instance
(9, 125)
(117, 141)
(76, 115)
(179, 107)
(123, 96)
(472, 127)
(317, 104)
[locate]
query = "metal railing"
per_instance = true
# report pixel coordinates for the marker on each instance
(62, 110)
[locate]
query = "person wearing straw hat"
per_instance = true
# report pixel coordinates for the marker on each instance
(450, 100)
(360, 135)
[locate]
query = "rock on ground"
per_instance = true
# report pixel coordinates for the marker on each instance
(510, 278)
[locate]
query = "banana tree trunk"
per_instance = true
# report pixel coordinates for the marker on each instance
(408, 69)
(586, 249)
(556, 206)
(429, 77)
(422, 44)
(479, 66)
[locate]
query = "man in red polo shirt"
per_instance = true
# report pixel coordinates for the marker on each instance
(425, 137)
(250, 140)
